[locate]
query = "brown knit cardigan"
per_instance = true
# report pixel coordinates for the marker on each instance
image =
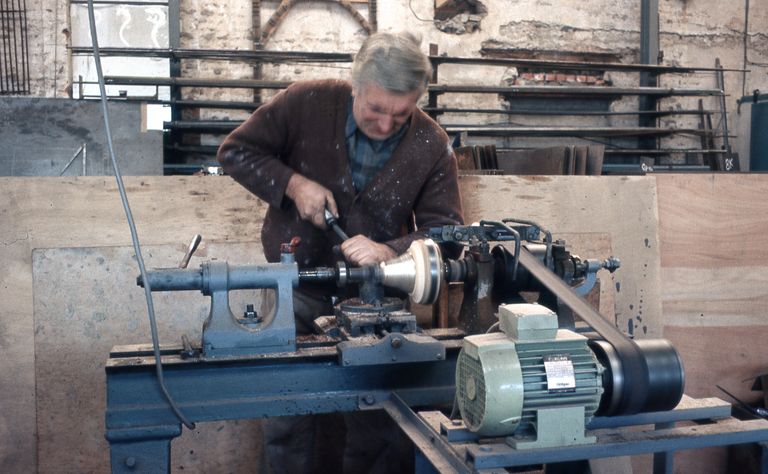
(302, 130)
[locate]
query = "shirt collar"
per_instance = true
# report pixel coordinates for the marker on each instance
(351, 127)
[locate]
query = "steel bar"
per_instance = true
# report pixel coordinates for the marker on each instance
(640, 168)
(202, 149)
(223, 54)
(25, 50)
(438, 89)
(630, 151)
(185, 103)
(3, 73)
(187, 82)
(435, 448)
(440, 110)
(14, 47)
(508, 131)
(4, 18)
(663, 461)
(688, 409)
(574, 90)
(211, 104)
(723, 109)
(222, 126)
(649, 54)
(554, 64)
(119, 2)
(625, 443)
(308, 56)
(659, 151)
(71, 160)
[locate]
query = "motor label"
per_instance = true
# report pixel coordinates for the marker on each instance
(560, 373)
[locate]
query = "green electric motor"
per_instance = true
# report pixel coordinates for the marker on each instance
(533, 382)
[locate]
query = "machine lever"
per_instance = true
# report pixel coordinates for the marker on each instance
(192, 247)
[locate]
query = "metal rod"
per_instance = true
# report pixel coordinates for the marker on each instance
(723, 107)
(668, 151)
(441, 89)
(25, 51)
(224, 54)
(573, 90)
(308, 56)
(2, 68)
(191, 82)
(564, 131)
(14, 47)
(6, 48)
(71, 160)
(562, 112)
(119, 2)
(437, 60)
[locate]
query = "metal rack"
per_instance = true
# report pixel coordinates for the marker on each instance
(644, 156)
(646, 153)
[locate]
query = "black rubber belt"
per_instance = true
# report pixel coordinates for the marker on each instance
(634, 366)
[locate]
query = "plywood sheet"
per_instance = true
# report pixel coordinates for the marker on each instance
(712, 221)
(715, 297)
(86, 301)
(69, 212)
(730, 357)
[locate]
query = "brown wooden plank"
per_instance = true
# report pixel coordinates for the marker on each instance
(713, 221)
(726, 296)
(730, 357)
(72, 212)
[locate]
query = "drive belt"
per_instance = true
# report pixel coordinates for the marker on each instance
(633, 362)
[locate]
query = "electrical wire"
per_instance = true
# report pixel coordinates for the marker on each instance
(131, 225)
(417, 16)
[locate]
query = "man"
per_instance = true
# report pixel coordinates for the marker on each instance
(362, 150)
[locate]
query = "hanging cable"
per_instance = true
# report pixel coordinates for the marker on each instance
(131, 225)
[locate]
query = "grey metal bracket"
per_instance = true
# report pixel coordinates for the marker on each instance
(393, 348)
(226, 336)
(223, 334)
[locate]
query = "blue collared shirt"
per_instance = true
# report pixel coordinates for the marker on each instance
(366, 156)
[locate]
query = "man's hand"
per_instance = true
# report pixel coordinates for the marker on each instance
(360, 250)
(311, 199)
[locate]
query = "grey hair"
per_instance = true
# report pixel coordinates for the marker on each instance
(393, 61)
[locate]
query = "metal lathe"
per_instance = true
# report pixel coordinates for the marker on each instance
(530, 375)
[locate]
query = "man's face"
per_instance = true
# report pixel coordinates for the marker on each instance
(380, 113)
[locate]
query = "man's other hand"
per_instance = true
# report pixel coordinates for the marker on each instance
(360, 250)
(311, 199)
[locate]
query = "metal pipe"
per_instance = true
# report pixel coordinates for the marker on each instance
(562, 112)
(575, 90)
(6, 47)
(25, 50)
(505, 131)
(223, 54)
(554, 64)
(191, 82)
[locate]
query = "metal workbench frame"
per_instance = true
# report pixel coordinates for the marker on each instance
(140, 425)
(448, 447)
